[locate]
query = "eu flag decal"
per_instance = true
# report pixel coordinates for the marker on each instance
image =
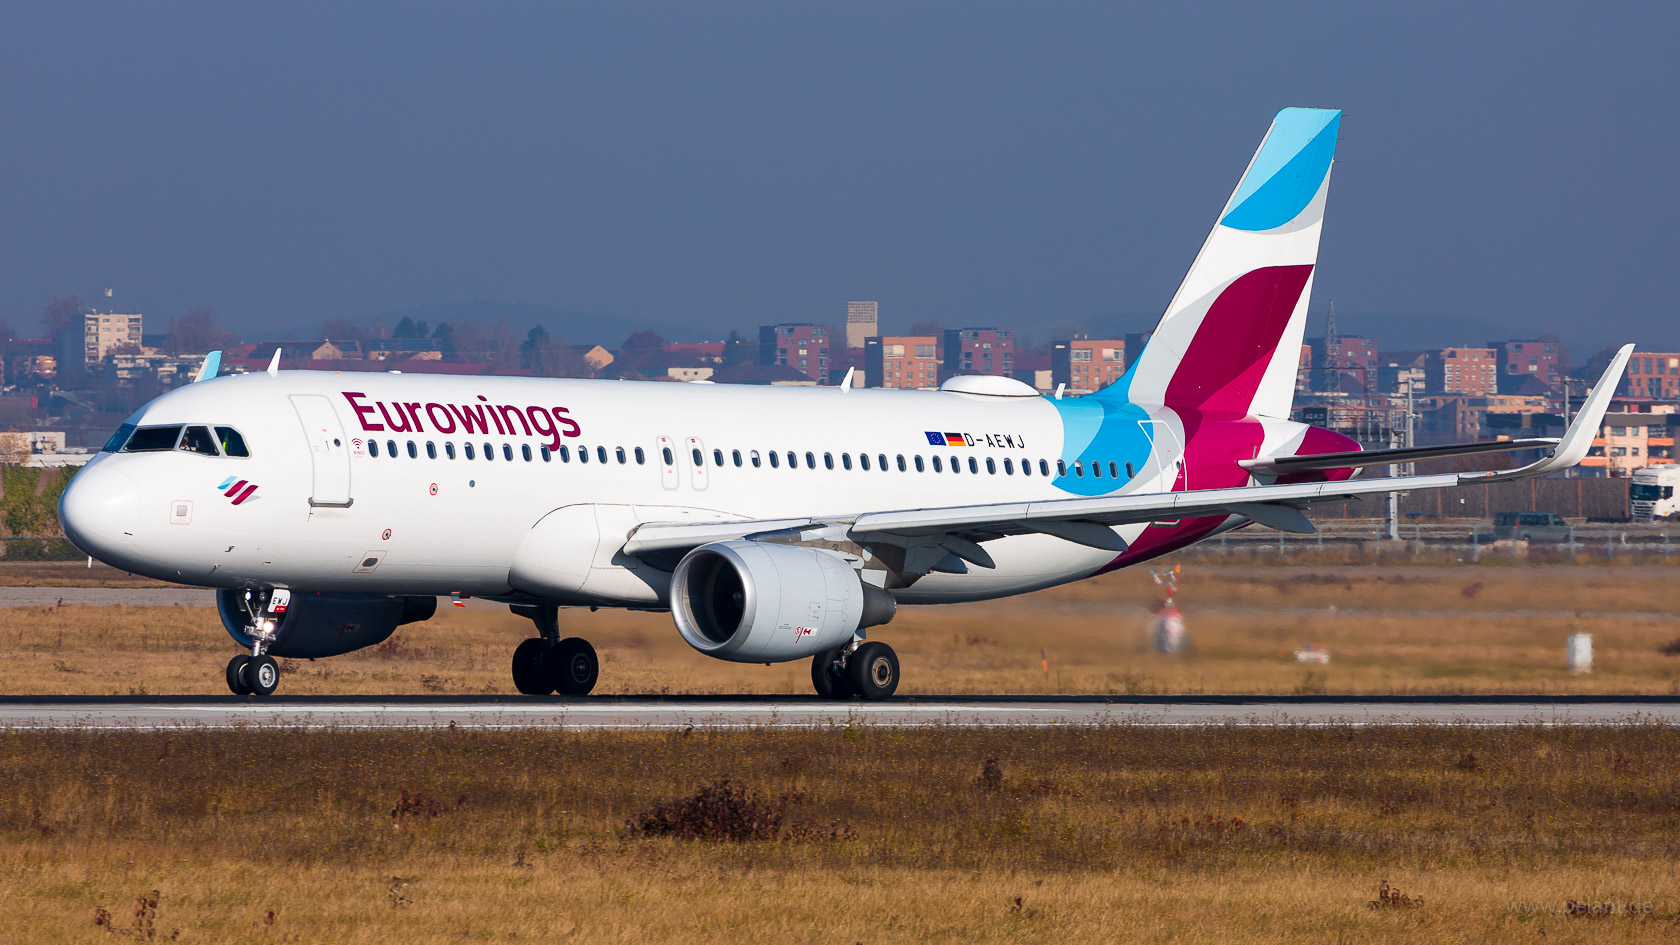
(936, 439)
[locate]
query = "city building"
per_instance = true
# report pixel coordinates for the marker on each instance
(1087, 365)
(1465, 372)
(978, 351)
(1653, 375)
(904, 362)
(710, 352)
(104, 331)
(168, 370)
(803, 347)
(1519, 359)
(1402, 371)
(862, 321)
(1349, 366)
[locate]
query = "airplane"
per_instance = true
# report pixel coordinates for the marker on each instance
(328, 509)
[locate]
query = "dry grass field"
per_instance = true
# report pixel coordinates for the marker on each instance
(1388, 630)
(843, 835)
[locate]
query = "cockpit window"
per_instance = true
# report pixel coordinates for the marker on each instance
(198, 440)
(232, 443)
(152, 440)
(118, 438)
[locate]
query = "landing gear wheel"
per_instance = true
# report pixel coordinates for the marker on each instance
(262, 674)
(236, 675)
(828, 677)
(573, 667)
(530, 675)
(872, 669)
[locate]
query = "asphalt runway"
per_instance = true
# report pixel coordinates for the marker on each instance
(724, 712)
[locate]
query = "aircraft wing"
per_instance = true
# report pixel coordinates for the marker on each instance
(959, 530)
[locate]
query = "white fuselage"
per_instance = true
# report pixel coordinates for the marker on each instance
(335, 511)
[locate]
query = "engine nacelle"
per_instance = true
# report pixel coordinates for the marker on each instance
(325, 624)
(755, 602)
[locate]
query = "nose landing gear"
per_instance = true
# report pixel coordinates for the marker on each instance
(546, 664)
(258, 674)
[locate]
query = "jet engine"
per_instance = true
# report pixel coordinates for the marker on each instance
(755, 602)
(324, 624)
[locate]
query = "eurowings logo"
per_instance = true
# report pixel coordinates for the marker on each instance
(238, 491)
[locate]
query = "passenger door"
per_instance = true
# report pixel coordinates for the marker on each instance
(328, 453)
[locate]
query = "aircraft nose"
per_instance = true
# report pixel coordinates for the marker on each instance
(100, 511)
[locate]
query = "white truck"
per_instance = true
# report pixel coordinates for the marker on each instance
(1651, 495)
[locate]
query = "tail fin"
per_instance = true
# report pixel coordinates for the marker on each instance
(1230, 341)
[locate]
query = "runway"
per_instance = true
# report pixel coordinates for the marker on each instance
(136, 713)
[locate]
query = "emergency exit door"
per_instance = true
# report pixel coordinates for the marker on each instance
(328, 452)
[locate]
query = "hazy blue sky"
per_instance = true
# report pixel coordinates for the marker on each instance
(726, 164)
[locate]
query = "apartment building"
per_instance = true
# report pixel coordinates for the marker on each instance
(904, 362)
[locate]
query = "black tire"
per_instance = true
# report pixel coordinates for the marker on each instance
(236, 675)
(530, 675)
(872, 670)
(573, 667)
(262, 674)
(828, 678)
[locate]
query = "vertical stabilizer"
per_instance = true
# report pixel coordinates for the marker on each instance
(1229, 343)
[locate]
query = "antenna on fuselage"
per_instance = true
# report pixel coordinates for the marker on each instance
(846, 384)
(274, 364)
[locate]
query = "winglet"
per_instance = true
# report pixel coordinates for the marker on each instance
(274, 364)
(207, 370)
(1577, 440)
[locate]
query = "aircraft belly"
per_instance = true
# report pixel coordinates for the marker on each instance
(1024, 563)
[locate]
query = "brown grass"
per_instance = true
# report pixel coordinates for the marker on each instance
(1098, 834)
(1400, 630)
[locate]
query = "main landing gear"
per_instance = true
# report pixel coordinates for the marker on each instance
(253, 675)
(546, 663)
(869, 671)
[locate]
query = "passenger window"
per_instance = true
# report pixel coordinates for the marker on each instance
(391, 448)
(546, 455)
(863, 461)
(431, 450)
(641, 457)
(1044, 468)
(937, 465)
(525, 451)
(900, 464)
(373, 448)
(1026, 467)
(467, 450)
(620, 455)
(736, 456)
(883, 458)
(793, 460)
(1113, 469)
(118, 438)
(413, 451)
(1079, 469)
(773, 462)
(507, 452)
(699, 460)
(811, 461)
(601, 454)
(153, 440)
(828, 460)
(753, 455)
(1061, 468)
(232, 443)
(1008, 466)
(1096, 469)
(991, 467)
(919, 463)
(1129, 473)
(565, 453)
(449, 450)
(717, 458)
(666, 452)
(197, 440)
(973, 466)
(583, 454)
(489, 453)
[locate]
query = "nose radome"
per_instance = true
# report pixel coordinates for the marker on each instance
(100, 511)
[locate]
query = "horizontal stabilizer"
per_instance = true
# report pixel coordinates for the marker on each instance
(1359, 459)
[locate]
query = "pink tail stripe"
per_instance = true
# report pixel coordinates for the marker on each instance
(246, 494)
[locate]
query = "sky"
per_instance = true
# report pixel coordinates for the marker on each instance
(709, 166)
